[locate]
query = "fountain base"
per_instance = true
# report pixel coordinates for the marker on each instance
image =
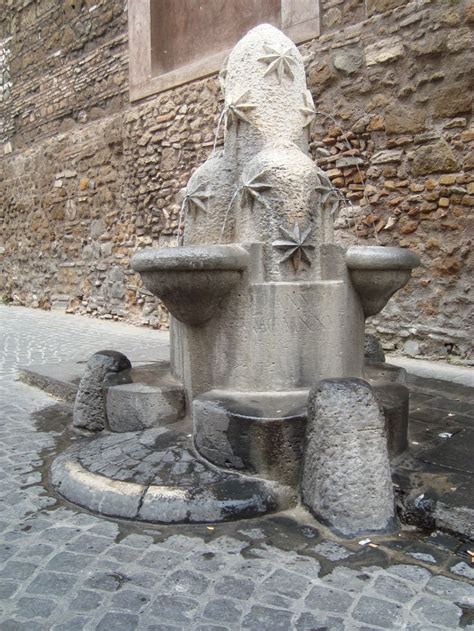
(156, 476)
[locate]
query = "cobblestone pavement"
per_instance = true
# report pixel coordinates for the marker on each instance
(64, 569)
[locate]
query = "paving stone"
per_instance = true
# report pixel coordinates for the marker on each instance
(241, 588)
(15, 625)
(69, 562)
(18, 570)
(86, 600)
(118, 621)
(122, 553)
(36, 607)
(444, 614)
(89, 544)
(106, 581)
(130, 600)
(39, 550)
(7, 551)
(266, 619)
(308, 621)
(51, 584)
(378, 613)
(177, 609)
(451, 589)
(414, 573)
(393, 589)
(347, 579)
(286, 583)
(7, 589)
(73, 624)
(463, 569)
(223, 610)
(164, 559)
(273, 599)
(328, 599)
(186, 582)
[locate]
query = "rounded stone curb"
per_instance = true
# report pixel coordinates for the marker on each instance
(241, 498)
(95, 492)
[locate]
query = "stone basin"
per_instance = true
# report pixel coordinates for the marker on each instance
(378, 272)
(192, 281)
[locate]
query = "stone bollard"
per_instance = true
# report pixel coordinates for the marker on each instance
(346, 478)
(89, 407)
(373, 351)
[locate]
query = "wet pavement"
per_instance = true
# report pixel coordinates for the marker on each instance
(63, 568)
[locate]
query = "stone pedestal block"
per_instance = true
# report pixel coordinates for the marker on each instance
(346, 477)
(136, 406)
(257, 433)
(143, 397)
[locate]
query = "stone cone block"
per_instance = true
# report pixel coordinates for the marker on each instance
(346, 477)
(89, 407)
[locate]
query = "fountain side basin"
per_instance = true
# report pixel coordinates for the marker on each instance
(192, 281)
(378, 272)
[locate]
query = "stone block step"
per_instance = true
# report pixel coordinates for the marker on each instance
(143, 397)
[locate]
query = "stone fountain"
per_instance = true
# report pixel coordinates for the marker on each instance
(265, 307)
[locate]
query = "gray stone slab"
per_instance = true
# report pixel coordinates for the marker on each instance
(456, 453)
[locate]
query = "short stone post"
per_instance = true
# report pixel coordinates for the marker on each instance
(89, 407)
(346, 478)
(373, 351)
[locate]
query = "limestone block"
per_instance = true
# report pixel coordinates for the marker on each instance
(136, 406)
(434, 158)
(346, 477)
(89, 407)
(383, 51)
(403, 120)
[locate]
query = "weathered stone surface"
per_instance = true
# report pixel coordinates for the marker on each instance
(346, 474)
(155, 476)
(453, 100)
(384, 157)
(137, 406)
(384, 51)
(373, 351)
(259, 433)
(89, 407)
(434, 158)
(403, 120)
(379, 6)
(347, 61)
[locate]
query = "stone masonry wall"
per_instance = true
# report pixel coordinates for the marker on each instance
(86, 177)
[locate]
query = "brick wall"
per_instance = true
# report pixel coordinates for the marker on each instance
(87, 177)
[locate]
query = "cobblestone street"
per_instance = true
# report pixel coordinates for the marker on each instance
(64, 569)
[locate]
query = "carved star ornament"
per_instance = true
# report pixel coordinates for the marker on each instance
(279, 60)
(295, 245)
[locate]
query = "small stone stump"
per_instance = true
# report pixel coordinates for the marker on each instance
(89, 407)
(346, 477)
(373, 351)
